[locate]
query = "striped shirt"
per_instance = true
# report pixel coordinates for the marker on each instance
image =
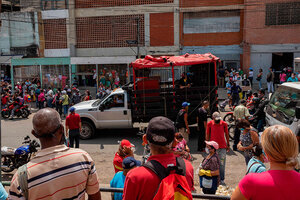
(58, 172)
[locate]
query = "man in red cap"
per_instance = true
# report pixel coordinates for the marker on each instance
(125, 150)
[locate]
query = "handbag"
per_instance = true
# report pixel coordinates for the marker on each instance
(258, 78)
(208, 182)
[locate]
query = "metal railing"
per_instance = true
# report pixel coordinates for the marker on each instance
(195, 196)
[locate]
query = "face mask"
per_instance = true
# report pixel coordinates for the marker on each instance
(206, 150)
(242, 129)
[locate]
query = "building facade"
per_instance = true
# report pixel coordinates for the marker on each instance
(101, 37)
(271, 36)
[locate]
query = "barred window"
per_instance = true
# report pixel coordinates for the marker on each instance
(109, 31)
(283, 13)
(54, 4)
(112, 3)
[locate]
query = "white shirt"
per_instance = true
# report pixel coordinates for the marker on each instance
(250, 73)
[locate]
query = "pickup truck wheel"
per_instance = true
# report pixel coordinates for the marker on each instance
(87, 130)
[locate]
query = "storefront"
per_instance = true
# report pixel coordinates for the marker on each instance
(49, 72)
(107, 71)
(5, 66)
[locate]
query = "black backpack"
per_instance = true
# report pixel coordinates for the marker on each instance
(179, 123)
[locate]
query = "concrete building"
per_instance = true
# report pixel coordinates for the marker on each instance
(271, 34)
(100, 36)
(214, 26)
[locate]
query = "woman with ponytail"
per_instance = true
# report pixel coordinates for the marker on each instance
(281, 181)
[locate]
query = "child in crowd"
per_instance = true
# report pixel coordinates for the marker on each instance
(182, 149)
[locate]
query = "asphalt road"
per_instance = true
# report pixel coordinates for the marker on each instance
(103, 147)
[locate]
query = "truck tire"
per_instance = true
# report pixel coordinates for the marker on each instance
(87, 130)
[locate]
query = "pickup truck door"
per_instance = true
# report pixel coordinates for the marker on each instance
(114, 113)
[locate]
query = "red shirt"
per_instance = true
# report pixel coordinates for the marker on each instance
(272, 184)
(73, 120)
(217, 132)
(118, 160)
(142, 183)
(4, 100)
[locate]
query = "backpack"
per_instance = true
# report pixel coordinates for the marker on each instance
(173, 183)
(179, 123)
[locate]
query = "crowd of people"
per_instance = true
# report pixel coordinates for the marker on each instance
(32, 94)
(60, 172)
(234, 80)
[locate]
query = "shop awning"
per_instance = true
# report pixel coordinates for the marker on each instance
(168, 61)
(6, 59)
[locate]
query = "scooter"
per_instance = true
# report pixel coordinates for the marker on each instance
(14, 158)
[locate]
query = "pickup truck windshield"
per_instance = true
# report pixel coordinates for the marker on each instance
(283, 103)
(97, 103)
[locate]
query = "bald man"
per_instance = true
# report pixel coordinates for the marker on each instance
(56, 172)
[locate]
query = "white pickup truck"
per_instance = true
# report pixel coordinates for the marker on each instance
(284, 106)
(110, 112)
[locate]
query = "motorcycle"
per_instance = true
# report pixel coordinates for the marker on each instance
(23, 111)
(14, 158)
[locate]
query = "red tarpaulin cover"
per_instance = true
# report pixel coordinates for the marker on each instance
(167, 61)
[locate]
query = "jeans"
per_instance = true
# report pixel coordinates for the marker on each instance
(59, 109)
(222, 157)
(41, 104)
(74, 135)
(235, 99)
(208, 191)
(14, 110)
(260, 84)
(237, 134)
(66, 109)
(201, 139)
(251, 80)
(49, 102)
(260, 125)
(270, 86)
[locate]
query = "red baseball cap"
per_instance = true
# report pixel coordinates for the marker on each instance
(126, 143)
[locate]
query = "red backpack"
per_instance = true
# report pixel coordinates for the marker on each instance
(173, 185)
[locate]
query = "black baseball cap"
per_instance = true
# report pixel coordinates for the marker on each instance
(130, 162)
(160, 131)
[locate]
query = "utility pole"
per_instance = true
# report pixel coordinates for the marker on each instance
(138, 36)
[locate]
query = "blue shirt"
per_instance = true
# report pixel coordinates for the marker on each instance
(256, 166)
(228, 86)
(3, 193)
(118, 182)
(290, 79)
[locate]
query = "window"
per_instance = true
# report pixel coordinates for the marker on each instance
(114, 101)
(283, 104)
(54, 4)
(283, 13)
(211, 22)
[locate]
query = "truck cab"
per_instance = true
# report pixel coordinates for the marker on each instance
(110, 112)
(283, 108)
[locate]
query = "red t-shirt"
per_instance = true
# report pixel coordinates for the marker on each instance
(118, 160)
(272, 184)
(142, 183)
(73, 120)
(4, 100)
(217, 132)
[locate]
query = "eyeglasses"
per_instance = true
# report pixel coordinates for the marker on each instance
(47, 135)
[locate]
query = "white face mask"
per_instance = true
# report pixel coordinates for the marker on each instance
(206, 150)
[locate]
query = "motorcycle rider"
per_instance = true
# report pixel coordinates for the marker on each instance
(17, 105)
